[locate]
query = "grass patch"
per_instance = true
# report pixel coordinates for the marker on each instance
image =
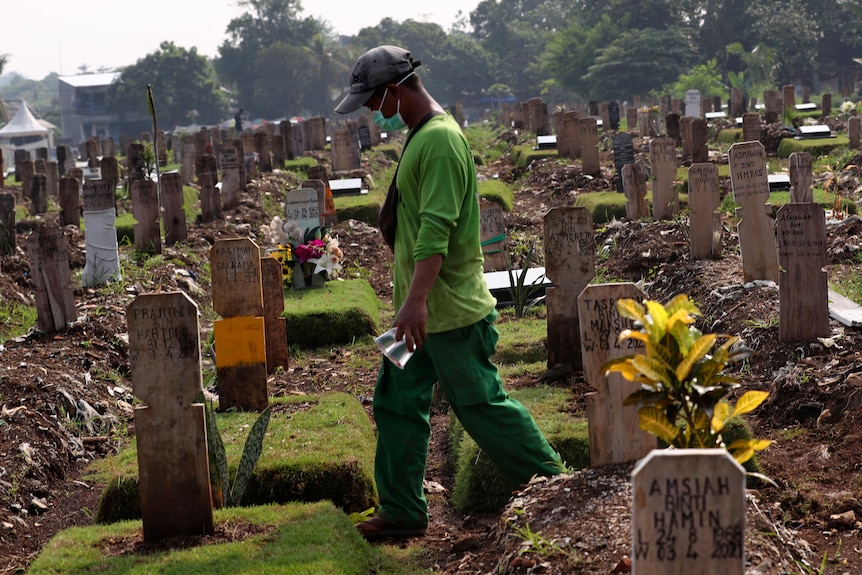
(518, 342)
(338, 312)
(486, 145)
(604, 206)
(499, 192)
(312, 539)
(729, 136)
(300, 164)
(324, 452)
(16, 319)
(814, 146)
(524, 154)
(479, 486)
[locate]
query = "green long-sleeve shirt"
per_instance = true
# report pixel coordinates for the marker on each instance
(438, 213)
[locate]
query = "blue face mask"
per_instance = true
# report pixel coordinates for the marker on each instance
(395, 123)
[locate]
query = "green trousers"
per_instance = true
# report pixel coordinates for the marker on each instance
(460, 360)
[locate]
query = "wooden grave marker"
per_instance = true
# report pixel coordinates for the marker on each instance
(7, 224)
(275, 326)
(102, 262)
(704, 197)
(262, 149)
(674, 128)
(588, 135)
(634, 180)
(569, 144)
(170, 428)
(614, 429)
(801, 177)
(686, 131)
(665, 200)
(145, 210)
(52, 173)
(688, 513)
(189, 153)
(174, 215)
(699, 141)
(38, 194)
(748, 177)
(206, 170)
(751, 127)
(52, 278)
(570, 263)
(492, 229)
(237, 293)
(803, 290)
(70, 202)
(229, 162)
(854, 131)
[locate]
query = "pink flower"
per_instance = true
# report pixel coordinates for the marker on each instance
(313, 249)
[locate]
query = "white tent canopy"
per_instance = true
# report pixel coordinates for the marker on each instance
(23, 123)
(24, 132)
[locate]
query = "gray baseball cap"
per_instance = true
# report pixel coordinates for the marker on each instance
(377, 67)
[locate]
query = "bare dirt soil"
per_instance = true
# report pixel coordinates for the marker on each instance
(66, 398)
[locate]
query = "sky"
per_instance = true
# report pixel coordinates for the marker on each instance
(44, 36)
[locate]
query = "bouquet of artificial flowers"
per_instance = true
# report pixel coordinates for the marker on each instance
(305, 246)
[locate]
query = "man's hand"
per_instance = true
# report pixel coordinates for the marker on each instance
(413, 315)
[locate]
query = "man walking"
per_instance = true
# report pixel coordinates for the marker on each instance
(444, 310)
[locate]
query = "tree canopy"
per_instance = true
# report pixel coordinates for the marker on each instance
(183, 82)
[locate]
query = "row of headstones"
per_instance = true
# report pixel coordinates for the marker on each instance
(688, 506)
(532, 115)
(796, 241)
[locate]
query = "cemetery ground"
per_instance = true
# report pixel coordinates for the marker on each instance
(66, 398)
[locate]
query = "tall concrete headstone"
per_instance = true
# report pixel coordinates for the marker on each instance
(665, 200)
(102, 263)
(688, 513)
(748, 177)
(170, 428)
(704, 197)
(614, 428)
(803, 291)
(570, 263)
(52, 278)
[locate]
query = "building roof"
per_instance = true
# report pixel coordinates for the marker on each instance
(90, 80)
(23, 123)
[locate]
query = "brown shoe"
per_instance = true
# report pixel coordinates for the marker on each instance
(376, 529)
